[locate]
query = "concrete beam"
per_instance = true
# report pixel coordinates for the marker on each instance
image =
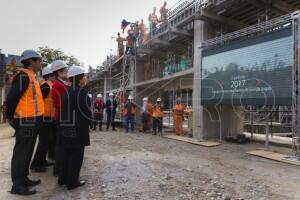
(283, 6)
(179, 31)
(209, 16)
(161, 42)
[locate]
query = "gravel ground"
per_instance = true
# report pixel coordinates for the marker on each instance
(139, 166)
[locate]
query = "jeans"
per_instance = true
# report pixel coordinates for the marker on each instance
(157, 124)
(129, 119)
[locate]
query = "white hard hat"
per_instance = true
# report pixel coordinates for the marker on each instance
(158, 99)
(145, 99)
(75, 70)
(130, 97)
(99, 96)
(90, 95)
(30, 54)
(111, 94)
(58, 65)
(47, 70)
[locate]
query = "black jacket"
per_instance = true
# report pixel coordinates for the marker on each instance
(110, 109)
(76, 115)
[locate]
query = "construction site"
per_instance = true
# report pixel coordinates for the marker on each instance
(235, 66)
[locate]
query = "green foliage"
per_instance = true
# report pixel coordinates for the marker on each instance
(49, 55)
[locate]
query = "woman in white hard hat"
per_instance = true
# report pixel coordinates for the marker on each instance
(98, 109)
(59, 89)
(25, 109)
(74, 129)
(46, 143)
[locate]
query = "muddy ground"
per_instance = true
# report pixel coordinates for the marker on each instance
(139, 166)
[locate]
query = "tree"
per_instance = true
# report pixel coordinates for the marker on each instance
(49, 55)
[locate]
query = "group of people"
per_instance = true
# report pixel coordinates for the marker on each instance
(58, 111)
(154, 20)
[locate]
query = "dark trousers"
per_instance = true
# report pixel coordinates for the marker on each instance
(44, 134)
(73, 158)
(129, 120)
(145, 121)
(25, 141)
(129, 50)
(98, 118)
(58, 155)
(110, 120)
(52, 142)
(157, 124)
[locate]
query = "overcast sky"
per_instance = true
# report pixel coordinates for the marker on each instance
(82, 28)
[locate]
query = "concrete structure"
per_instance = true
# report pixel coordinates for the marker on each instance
(193, 25)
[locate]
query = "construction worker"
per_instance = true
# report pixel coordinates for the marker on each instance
(129, 112)
(39, 162)
(98, 109)
(153, 19)
(111, 110)
(25, 109)
(158, 117)
(142, 32)
(130, 40)
(120, 40)
(59, 89)
(147, 111)
(74, 129)
(164, 13)
(178, 115)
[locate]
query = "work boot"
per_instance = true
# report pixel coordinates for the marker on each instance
(30, 183)
(22, 190)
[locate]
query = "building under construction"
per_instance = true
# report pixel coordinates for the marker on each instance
(233, 61)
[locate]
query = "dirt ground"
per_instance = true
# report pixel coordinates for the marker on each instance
(142, 166)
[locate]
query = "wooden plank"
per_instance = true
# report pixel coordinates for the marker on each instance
(273, 156)
(193, 141)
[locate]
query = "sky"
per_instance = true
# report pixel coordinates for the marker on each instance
(81, 28)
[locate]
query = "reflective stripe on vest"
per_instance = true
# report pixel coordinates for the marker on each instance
(48, 101)
(31, 103)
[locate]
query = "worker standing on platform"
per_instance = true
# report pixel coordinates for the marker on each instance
(158, 117)
(129, 112)
(178, 114)
(59, 89)
(142, 32)
(74, 128)
(111, 110)
(120, 42)
(164, 13)
(98, 109)
(130, 40)
(39, 162)
(153, 19)
(25, 109)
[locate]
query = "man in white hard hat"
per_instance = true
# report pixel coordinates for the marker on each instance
(74, 128)
(147, 110)
(158, 117)
(39, 162)
(98, 112)
(25, 109)
(129, 113)
(59, 89)
(111, 110)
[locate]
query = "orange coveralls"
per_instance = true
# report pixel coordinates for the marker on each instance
(178, 112)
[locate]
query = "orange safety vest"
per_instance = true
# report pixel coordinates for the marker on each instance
(133, 110)
(48, 102)
(31, 103)
(179, 109)
(157, 112)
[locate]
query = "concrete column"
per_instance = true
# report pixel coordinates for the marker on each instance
(200, 27)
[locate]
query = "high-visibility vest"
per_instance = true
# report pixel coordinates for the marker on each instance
(48, 101)
(133, 109)
(179, 109)
(157, 111)
(31, 103)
